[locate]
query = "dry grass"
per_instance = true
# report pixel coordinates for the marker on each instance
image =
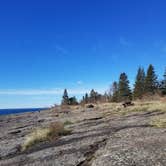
(139, 106)
(136, 108)
(67, 123)
(109, 105)
(38, 135)
(55, 130)
(145, 106)
(159, 122)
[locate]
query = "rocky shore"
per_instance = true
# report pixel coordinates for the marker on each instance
(99, 137)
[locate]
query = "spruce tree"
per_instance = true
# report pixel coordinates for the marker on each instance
(86, 98)
(124, 89)
(163, 84)
(139, 86)
(73, 101)
(115, 92)
(65, 98)
(83, 100)
(93, 96)
(151, 83)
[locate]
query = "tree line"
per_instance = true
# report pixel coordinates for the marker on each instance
(146, 85)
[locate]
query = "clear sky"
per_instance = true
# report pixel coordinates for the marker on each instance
(46, 46)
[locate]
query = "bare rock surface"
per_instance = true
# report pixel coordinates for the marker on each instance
(97, 139)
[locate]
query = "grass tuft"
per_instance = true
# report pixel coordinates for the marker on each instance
(52, 132)
(67, 123)
(159, 122)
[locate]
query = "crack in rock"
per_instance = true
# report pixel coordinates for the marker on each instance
(90, 155)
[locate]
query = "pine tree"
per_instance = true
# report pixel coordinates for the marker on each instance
(83, 100)
(115, 92)
(93, 96)
(151, 83)
(65, 98)
(124, 89)
(86, 98)
(73, 101)
(163, 84)
(139, 86)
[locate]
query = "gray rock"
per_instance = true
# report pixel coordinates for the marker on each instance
(96, 140)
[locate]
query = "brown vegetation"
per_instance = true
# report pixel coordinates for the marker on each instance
(52, 132)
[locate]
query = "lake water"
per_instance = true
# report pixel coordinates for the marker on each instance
(19, 110)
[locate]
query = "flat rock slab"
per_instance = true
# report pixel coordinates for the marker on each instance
(97, 140)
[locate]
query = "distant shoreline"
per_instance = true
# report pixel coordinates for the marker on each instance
(11, 111)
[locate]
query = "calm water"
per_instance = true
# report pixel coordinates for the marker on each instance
(19, 110)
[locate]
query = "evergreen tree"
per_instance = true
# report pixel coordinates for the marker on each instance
(124, 89)
(73, 101)
(151, 83)
(139, 86)
(93, 96)
(115, 92)
(86, 98)
(65, 98)
(163, 84)
(83, 100)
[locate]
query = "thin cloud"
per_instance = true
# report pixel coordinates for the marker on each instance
(42, 92)
(79, 82)
(38, 92)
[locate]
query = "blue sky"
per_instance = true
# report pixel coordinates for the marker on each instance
(46, 46)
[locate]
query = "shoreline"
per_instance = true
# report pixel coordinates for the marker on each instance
(12, 111)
